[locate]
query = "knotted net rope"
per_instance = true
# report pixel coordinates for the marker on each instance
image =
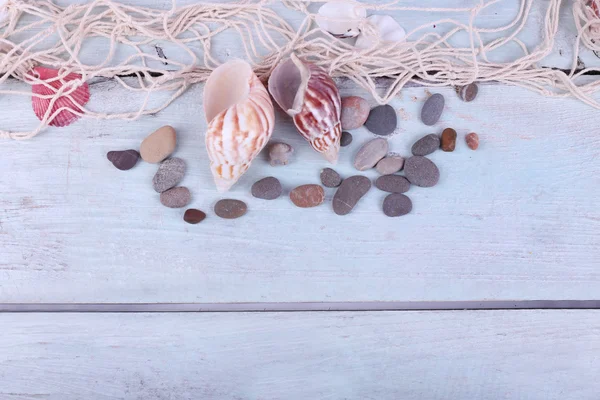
(38, 32)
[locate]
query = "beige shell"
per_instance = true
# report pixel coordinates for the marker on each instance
(308, 94)
(241, 120)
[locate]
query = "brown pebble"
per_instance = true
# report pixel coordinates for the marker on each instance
(176, 197)
(230, 208)
(390, 165)
(193, 216)
(307, 196)
(355, 111)
(468, 92)
(330, 178)
(159, 145)
(370, 154)
(123, 160)
(472, 140)
(448, 139)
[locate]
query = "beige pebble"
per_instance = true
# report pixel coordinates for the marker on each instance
(159, 145)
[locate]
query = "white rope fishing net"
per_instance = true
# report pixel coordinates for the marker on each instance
(40, 33)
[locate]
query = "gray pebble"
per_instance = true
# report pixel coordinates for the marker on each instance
(396, 205)
(169, 174)
(230, 208)
(382, 120)
(346, 139)
(390, 165)
(176, 197)
(349, 193)
(280, 153)
(421, 171)
(432, 109)
(392, 184)
(330, 178)
(426, 145)
(268, 188)
(468, 92)
(370, 154)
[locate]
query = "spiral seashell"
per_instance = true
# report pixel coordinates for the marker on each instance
(240, 118)
(308, 94)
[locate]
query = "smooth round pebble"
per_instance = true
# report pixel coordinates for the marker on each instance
(268, 188)
(468, 92)
(349, 193)
(159, 145)
(390, 165)
(123, 159)
(426, 145)
(193, 216)
(346, 139)
(307, 196)
(448, 139)
(396, 205)
(169, 174)
(472, 140)
(176, 197)
(432, 109)
(355, 111)
(382, 120)
(392, 183)
(330, 178)
(421, 171)
(370, 154)
(280, 154)
(230, 208)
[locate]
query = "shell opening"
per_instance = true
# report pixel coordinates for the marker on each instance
(288, 84)
(228, 84)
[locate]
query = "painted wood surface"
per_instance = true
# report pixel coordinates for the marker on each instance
(534, 355)
(515, 220)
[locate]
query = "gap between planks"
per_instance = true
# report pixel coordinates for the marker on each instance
(300, 307)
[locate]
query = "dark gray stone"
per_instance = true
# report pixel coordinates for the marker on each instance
(432, 109)
(349, 193)
(230, 208)
(123, 159)
(268, 188)
(382, 120)
(426, 145)
(396, 205)
(421, 171)
(346, 139)
(330, 178)
(392, 183)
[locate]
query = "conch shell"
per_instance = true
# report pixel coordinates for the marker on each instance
(308, 94)
(240, 119)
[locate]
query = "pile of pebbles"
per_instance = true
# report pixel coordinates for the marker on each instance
(418, 170)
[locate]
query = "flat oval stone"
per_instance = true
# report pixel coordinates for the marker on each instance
(355, 111)
(349, 193)
(346, 139)
(193, 216)
(382, 120)
(230, 208)
(307, 196)
(396, 205)
(432, 109)
(159, 145)
(468, 92)
(123, 159)
(268, 188)
(472, 140)
(330, 178)
(421, 171)
(169, 174)
(426, 145)
(390, 165)
(392, 183)
(370, 154)
(448, 139)
(280, 154)
(176, 197)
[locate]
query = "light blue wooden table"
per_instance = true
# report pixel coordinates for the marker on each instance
(517, 220)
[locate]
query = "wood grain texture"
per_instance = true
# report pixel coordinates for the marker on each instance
(531, 355)
(517, 219)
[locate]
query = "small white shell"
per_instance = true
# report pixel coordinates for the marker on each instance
(380, 27)
(341, 19)
(241, 120)
(308, 94)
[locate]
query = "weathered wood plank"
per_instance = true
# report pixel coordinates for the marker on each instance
(532, 355)
(517, 219)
